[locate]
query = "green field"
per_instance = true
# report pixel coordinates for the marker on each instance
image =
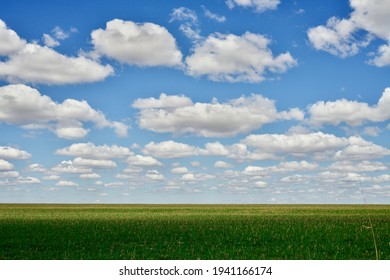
(194, 231)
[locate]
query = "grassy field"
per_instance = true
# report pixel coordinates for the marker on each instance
(194, 231)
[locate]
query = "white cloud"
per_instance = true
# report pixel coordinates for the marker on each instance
(372, 131)
(299, 145)
(23, 105)
(71, 132)
(363, 166)
(340, 177)
(372, 16)
(9, 174)
(35, 167)
(295, 179)
(51, 177)
(351, 112)
(66, 184)
(142, 44)
(338, 36)
(154, 175)
(216, 149)
(190, 22)
(179, 170)
(18, 181)
(163, 102)
(222, 164)
(67, 166)
(10, 42)
(360, 149)
(383, 56)
(191, 177)
(283, 167)
(91, 151)
(143, 161)
(188, 177)
(258, 5)
(260, 184)
(94, 163)
(5, 165)
(133, 169)
(60, 34)
(195, 163)
(50, 41)
(213, 119)
(233, 58)
(27, 180)
(212, 15)
(294, 166)
(114, 184)
(41, 64)
(13, 153)
(169, 149)
(255, 171)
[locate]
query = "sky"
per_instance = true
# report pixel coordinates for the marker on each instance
(222, 101)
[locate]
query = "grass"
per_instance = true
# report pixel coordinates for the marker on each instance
(194, 231)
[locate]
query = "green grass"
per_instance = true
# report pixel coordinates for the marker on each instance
(193, 231)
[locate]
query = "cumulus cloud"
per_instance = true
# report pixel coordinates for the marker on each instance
(193, 177)
(351, 112)
(233, 58)
(13, 153)
(94, 163)
(339, 36)
(23, 105)
(213, 119)
(154, 175)
(10, 42)
(353, 166)
(179, 170)
(32, 63)
(36, 167)
(258, 5)
(5, 165)
(91, 151)
(18, 181)
(336, 37)
(51, 177)
(216, 149)
(143, 161)
(163, 102)
(67, 166)
(114, 184)
(9, 174)
(66, 184)
(360, 149)
(142, 44)
(222, 164)
(169, 149)
(299, 145)
(283, 167)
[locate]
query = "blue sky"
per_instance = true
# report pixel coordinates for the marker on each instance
(236, 101)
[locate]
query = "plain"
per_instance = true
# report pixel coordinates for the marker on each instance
(190, 232)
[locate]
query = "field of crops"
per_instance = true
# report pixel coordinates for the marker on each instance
(194, 232)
